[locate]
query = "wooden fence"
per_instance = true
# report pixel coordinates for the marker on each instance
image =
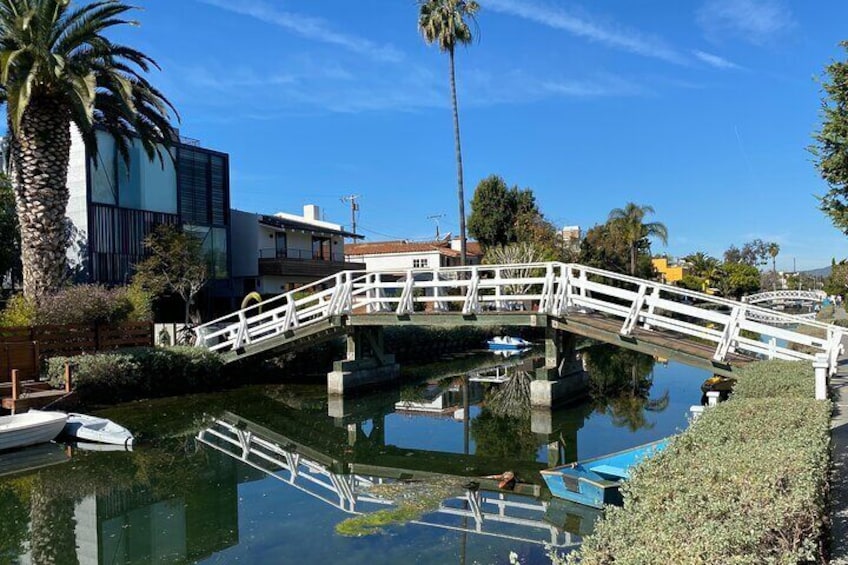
(23, 348)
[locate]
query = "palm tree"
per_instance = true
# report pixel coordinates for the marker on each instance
(57, 69)
(629, 223)
(445, 22)
(773, 250)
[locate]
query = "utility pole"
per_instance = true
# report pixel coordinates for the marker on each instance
(354, 208)
(436, 218)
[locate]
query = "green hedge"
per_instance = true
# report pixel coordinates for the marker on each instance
(746, 483)
(130, 374)
(775, 379)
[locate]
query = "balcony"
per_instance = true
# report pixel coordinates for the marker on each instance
(302, 263)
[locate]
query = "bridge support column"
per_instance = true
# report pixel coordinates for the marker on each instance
(367, 363)
(562, 378)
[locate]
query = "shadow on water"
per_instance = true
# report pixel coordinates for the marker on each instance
(288, 464)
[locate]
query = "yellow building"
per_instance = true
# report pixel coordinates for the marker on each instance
(668, 273)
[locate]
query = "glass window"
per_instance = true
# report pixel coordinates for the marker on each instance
(420, 263)
(282, 249)
(321, 248)
(104, 184)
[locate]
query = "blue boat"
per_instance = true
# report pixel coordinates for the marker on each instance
(595, 482)
(508, 343)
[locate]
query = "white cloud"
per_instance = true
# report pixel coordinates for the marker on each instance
(715, 60)
(308, 27)
(589, 28)
(756, 21)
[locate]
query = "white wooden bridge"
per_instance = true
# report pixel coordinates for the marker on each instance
(785, 295)
(699, 329)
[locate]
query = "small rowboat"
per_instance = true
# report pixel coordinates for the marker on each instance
(595, 482)
(98, 430)
(508, 343)
(30, 428)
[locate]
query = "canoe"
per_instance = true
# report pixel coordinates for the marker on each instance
(507, 343)
(30, 428)
(595, 482)
(98, 430)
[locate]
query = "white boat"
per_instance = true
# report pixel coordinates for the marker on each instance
(98, 430)
(30, 428)
(507, 343)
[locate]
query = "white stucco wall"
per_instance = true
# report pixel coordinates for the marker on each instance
(396, 261)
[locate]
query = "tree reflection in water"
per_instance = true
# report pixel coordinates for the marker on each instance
(502, 430)
(620, 384)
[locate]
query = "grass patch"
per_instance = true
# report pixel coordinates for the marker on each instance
(411, 499)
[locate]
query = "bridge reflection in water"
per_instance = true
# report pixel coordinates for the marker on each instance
(484, 509)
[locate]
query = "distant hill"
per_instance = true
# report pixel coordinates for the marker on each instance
(823, 272)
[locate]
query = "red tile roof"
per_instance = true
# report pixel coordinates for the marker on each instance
(387, 247)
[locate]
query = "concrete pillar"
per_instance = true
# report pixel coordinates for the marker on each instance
(820, 366)
(366, 362)
(562, 378)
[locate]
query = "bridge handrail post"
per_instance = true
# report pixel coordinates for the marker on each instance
(546, 299)
(472, 302)
(731, 331)
(438, 305)
(820, 367)
(499, 304)
(652, 305)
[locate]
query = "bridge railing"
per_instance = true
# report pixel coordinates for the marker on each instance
(555, 289)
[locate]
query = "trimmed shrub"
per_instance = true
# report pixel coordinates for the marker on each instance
(130, 374)
(85, 304)
(747, 484)
(19, 311)
(775, 379)
(141, 303)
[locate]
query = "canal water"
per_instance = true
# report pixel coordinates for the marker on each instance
(211, 479)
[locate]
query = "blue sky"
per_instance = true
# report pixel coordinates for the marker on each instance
(702, 109)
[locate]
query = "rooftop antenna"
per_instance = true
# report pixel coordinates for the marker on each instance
(436, 218)
(354, 208)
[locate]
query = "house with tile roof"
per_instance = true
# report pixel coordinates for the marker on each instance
(403, 255)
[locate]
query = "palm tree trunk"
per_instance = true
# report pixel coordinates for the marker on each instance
(40, 158)
(460, 189)
(633, 260)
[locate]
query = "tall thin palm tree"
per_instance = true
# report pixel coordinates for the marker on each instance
(57, 68)
(773, 250)
(629, 223)
(445, 22)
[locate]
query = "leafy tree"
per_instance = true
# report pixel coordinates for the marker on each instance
(603, 249)
(176, 266)
(629, 224)
(830, 148)
(754, 253)
(495, 209)
(692, 282)
(57, 68)
(445, 22)
(532, 228)
(739, 279)
(701, 264)
(837, 282)
(10, 235)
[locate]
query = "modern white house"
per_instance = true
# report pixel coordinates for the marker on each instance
(276, 253)
(114, 205)
(403, 255)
